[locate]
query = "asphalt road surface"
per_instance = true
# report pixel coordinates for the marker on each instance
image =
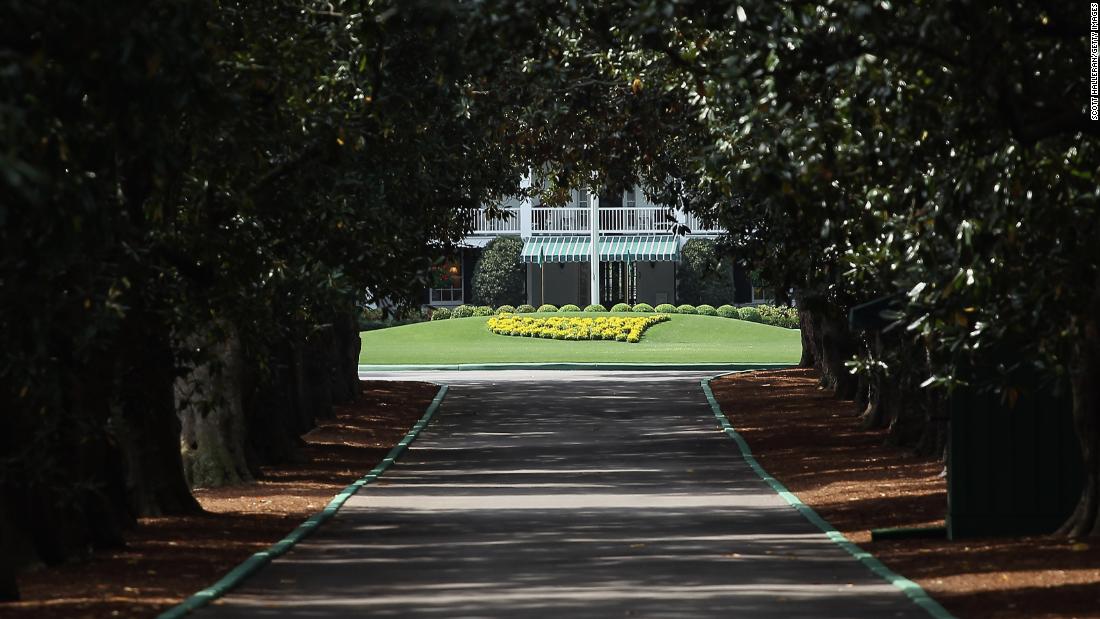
(567, 494)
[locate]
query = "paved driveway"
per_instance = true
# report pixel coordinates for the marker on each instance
(568, 494)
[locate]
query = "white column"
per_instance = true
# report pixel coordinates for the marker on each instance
(525, 208)
(594, 258)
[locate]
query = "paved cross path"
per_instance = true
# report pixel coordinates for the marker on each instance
(568, 494)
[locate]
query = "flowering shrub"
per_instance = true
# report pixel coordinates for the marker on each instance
(441, 313)
(462, 311)
(506, 309)
(569, 307)
(686, 309)
(706, 310)
(620, 307)
(525, 309)
(666, 308)
(642, 307)
(779, 316)
(595, 307)
(727, 311)
(621, 329)
(547, 307)
(483, 310)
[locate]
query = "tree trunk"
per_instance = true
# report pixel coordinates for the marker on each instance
(837, 347)
(345, 353)
(271, 406)
(1085, 383)
(211, 411)
(806, 324)
(147, 415)
(9, 587)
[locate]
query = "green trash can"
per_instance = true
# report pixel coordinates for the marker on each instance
(1011, 470)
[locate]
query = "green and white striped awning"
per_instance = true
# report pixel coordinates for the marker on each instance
(617, 248)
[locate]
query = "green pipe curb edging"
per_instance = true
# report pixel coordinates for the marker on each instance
(703, 367)
(252, 564)
(910, 588)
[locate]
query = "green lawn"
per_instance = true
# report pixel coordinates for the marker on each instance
(684, 339)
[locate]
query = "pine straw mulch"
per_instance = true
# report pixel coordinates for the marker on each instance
(814, 445)
(167, 559)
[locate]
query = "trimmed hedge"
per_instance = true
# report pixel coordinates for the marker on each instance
(547, 307)
(506, 309)
(706, 310)
(667, 308)
(686, 309)
(569, 307)
(749, 313)
(525, 309)
(727, 311)
(642, 307)
(441, 313)
(620, 307)
(595, 307)
(484, 310)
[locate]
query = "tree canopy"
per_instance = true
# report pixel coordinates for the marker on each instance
(177, 175)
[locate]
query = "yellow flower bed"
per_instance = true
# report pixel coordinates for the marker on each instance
(618, 328)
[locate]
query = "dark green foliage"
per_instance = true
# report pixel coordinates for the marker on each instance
(500, 276)
(703, 274)
(525, 309)
(667, 308)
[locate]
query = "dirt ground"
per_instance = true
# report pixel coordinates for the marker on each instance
(168, 559)
(814, 445)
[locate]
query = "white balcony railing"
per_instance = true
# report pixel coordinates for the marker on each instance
(576, 220)
(640, 219)
(557, 220)
(483, 225)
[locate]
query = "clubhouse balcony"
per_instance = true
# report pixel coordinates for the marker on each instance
(528, 221)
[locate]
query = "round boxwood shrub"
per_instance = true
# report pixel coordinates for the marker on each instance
(748, 313)
(525, 309)
(642, 307)
(727, 311)
(483, 310)
(462, 311)
(686, 309)
(547, 307)
(595, 307)
(569, 307)
(620, 307)
(706, 310)
(506, 309)
(441, 313)
(499, 276)
(666, 308)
